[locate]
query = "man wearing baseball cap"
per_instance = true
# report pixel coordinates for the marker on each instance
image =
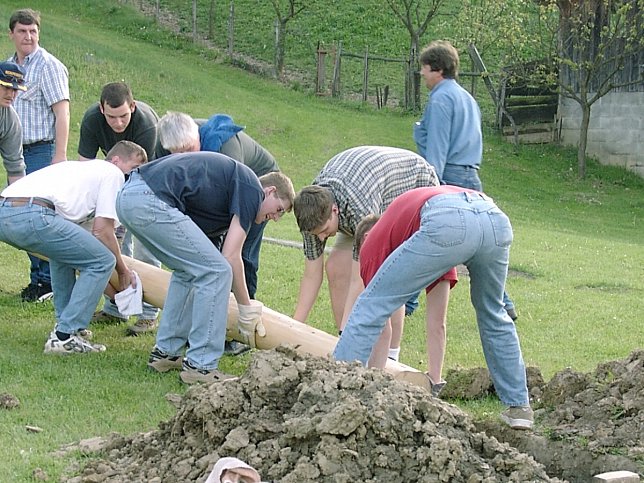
(12, 80)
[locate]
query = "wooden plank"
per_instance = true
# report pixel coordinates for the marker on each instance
(532, 101)
(529, 114)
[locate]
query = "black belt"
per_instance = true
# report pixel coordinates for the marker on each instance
(25, 201)
(37, 143)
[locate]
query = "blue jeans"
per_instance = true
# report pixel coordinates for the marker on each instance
(463, 176)
(38, 157)
(196, 306)
(250, 256)
(133, 247)
(468, 177)
(458, 228)
(69, 248)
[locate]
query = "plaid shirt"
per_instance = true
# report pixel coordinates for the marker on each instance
(365, 180)
(47, 83)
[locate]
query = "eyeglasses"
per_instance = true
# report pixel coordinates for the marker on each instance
(281, 210)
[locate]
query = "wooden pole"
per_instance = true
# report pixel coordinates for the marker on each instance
(335, 85)
(365, 75)
(231, 29)
(280, 329)
(321, 71)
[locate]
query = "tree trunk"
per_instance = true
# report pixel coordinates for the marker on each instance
(194, 21)
(583, 140)
(211, 20)
(280, 40)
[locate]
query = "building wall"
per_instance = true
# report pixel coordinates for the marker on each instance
(616, 131)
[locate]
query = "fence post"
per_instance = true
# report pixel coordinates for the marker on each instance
(335, 86)
(321, 74)
(365, 75)
(231, 29)
(194, 21)
(407, 84)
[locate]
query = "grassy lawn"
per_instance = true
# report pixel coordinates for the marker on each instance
(577, 261)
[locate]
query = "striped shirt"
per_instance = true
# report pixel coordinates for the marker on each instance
(365, 180)
(47, 83)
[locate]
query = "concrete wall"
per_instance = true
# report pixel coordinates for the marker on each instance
(616, 131)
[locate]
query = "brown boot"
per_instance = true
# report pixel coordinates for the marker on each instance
(142, 326)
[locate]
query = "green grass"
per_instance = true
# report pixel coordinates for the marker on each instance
(578, 245)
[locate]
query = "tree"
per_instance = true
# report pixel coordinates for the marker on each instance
(285, 10)
(597, 40)
(211, 19)
(504, 31)
(416, 15)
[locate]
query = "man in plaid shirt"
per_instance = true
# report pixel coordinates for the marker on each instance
(353, 184)
(44, 113)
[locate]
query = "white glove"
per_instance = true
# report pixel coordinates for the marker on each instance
(249, 322)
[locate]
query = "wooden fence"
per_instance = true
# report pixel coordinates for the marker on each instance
(337, 53)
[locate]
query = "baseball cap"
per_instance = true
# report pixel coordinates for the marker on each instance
(12, 75)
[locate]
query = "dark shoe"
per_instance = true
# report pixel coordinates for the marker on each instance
(436, 388)
(159, 361)
(190, 374)
(101, 317)
(142, 326)
(44, 292)
(234, 348)
(512, 313)
(28, 293)
(518, 417)
(36, 292)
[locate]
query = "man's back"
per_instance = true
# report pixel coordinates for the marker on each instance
(366, 179)
(79, 189)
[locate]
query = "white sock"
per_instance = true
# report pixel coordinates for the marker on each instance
(394, 354)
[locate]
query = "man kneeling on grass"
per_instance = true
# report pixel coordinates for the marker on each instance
(51, 212)
(453, 225)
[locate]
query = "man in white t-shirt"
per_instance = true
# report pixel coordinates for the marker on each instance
(67, 212)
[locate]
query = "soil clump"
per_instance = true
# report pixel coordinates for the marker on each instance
(586, 423)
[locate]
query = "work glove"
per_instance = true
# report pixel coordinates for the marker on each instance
(249, 322)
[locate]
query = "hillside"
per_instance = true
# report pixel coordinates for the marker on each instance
(575, 266)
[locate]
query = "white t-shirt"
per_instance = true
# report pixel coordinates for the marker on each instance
(80, 190)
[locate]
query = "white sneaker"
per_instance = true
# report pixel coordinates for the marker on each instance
(74, 345)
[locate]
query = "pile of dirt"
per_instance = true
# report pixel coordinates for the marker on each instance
(586, 423)
(297, 418)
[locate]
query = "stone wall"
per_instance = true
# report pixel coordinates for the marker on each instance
(616, 131)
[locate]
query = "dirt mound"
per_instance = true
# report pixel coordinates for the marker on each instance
(298, 419)
(587, 423)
